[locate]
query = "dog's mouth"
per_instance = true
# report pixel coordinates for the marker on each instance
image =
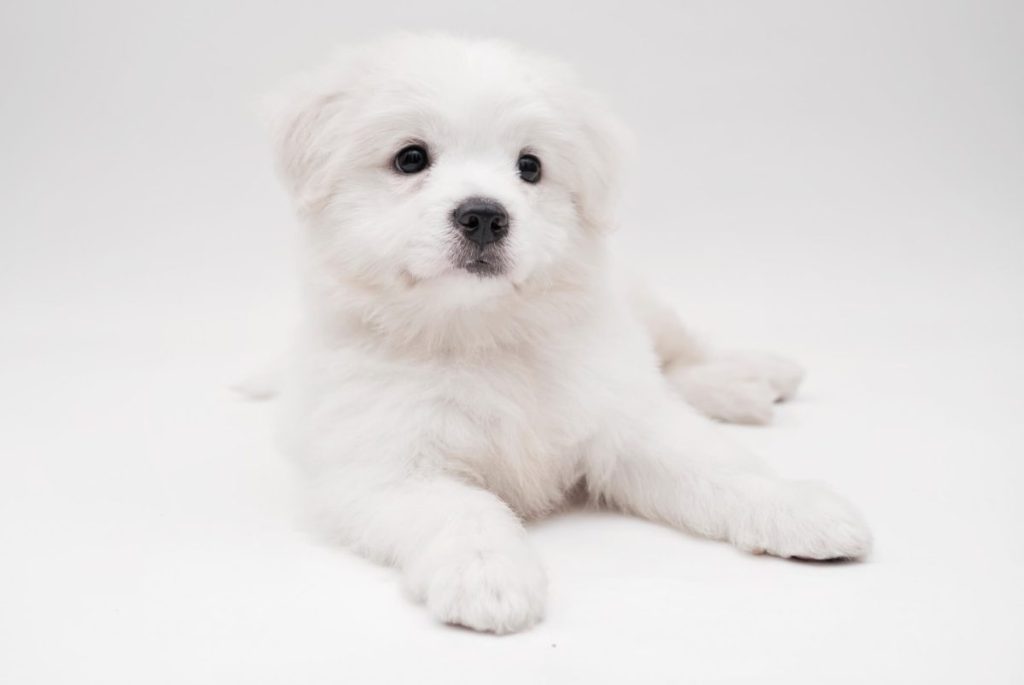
(487, 261)
(483, 266)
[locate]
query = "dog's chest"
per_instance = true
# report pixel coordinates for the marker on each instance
(516, 426)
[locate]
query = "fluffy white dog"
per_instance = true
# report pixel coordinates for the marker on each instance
(469, 357)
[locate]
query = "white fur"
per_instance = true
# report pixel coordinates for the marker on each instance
(434, 410)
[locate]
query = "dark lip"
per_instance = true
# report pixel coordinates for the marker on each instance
(482, 267)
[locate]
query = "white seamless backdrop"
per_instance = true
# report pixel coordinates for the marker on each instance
(842, 182)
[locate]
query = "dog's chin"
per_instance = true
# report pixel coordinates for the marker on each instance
(459, 289)
(471, 278)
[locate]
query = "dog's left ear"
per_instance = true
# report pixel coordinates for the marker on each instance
(605, 147)
(302, 118)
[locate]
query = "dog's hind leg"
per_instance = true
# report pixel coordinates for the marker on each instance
(736, 387)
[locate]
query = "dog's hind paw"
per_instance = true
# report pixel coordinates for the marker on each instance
(740, 387)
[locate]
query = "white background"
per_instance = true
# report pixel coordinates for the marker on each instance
(842, 182)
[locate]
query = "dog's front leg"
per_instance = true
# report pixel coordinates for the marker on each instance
(461, 550)
(662, 462)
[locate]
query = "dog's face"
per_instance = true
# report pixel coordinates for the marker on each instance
(432, 160)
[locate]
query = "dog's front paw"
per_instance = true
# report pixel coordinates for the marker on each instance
(740, 387)
(803, 520)
(493, 590)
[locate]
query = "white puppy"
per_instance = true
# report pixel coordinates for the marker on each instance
(468, 356)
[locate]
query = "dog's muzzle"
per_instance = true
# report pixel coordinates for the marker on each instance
(483, 224)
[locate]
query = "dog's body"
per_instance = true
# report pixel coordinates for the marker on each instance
(470, 354)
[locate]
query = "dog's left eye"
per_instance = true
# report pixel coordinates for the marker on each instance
(412, 159)
(529, 168)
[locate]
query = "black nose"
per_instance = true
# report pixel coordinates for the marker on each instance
(481, 220)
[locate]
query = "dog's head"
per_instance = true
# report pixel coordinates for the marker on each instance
(423, 159)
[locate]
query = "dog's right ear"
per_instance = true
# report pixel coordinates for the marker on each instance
(302, 118)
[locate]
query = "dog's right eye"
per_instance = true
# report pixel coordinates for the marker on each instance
(412, 159)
